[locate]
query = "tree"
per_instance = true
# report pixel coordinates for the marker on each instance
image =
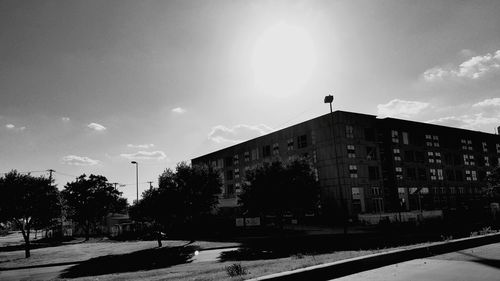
(90, 199)
(183, 197)
(276, 188)
(28, 201)
(493, 189)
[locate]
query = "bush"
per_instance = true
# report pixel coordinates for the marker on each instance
(236, 269)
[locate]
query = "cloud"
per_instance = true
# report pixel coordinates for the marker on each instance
(178, 110)
(474, 68)
(401, 108)
(97, 127)
(13, 127)
(140, 145)
(238, 133)
(481, 116)
(79, 160)
(66, 119)
(494, 102)
(145, 155)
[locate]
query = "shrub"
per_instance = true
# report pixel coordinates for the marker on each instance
(236, 269)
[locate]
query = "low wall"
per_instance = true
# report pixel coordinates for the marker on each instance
(373, 219)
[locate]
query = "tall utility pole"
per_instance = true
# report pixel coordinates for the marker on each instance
(329, 99)
(115, 184)
(136, 179)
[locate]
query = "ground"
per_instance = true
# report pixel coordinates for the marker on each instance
(104, 259)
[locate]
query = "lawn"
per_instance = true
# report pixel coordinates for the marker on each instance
(105, 259)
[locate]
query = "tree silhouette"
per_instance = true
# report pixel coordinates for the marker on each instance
(276, 188)
(183, 197)
(28, 201)
(90, 199)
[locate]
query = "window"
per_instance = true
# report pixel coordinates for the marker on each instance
(236, 160)
(405, 138)
(266, 151)
(255, 154)
(468, 175)
(302, 141)
(229, 190)
(373, 173)
(276, 149)
(469, 160)
(401, 192)
(356, 194)
(246, 155)
(428, 140)
(437, 157)
(498, 148)
(430, 156)
(466, 144)
(371, 153)
(353, 171)
(485, 147)
(461, 190)
(397, 154)
(376, 191)
(433, 174)
(289, 144)
(349, 132)
(435, 141)
(474, 175)
(220, 163)
(399, 173)
(236, 173)
(351, 152)
(395, 136)
(440, 174)
(486, 161)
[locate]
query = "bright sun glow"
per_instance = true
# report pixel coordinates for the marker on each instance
(283, 60)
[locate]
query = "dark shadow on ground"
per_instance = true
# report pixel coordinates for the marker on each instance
(136, 261)
(478, 259)
(281, 247)
(41, 243)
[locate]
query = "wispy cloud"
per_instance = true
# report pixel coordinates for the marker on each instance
(474, 68)
(481, 116)
(97, 127)
(14, 128)
(145, 155)
(147, 145)
(238, 133)
(401, 108)
(79, 160)
(178, 110)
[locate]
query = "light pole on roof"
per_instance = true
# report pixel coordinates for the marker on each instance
(136, 179)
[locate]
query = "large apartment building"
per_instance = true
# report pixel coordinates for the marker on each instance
(370, 164)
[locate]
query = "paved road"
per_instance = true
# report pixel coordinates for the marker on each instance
(481, 263)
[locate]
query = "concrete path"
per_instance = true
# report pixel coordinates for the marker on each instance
(480, 263)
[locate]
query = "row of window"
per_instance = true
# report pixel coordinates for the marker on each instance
(435, 157)
(438, 175)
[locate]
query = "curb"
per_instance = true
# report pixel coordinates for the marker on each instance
(346, 267)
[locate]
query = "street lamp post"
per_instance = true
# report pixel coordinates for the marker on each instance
(329, 100)
(136, 179)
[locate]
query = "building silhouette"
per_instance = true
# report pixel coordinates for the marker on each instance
(385, 165)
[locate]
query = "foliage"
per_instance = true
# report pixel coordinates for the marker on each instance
(277, 188)
(183, 196)
(90, 199)
(236, 269)
(492, 190)
(28, 201)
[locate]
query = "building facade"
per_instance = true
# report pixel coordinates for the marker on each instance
(371, 165)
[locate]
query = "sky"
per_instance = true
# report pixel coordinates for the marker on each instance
(89, 86)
